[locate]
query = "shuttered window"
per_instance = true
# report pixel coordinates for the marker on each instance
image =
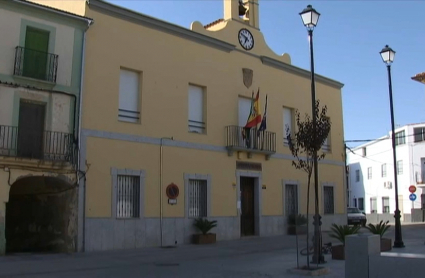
(328, 199)
(197, 198)
(291, 199)
(196, 121)
(129, 96)
(128, 196)
(373, 205)
(287, 124)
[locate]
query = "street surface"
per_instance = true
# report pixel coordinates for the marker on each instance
(249, 257)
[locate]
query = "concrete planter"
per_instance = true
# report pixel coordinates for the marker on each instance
(338, 252)
(386, 244)
(297, 230)
(204, 239)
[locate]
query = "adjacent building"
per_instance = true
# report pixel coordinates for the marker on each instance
(162, 138)
(371, 174)
(41, 51)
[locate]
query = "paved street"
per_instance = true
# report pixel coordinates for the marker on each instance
(251, 257)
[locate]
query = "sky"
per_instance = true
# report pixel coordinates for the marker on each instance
(347, 42)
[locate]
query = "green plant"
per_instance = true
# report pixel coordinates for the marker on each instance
(204, 225)
(339, 232)
(379, 229)
(297, 220)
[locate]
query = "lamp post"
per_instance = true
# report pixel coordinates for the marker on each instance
(387, 55)
(310, 17)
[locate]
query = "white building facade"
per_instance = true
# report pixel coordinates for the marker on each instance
(371, 185)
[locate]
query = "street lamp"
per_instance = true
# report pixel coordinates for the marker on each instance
(310, 17)
(387, 55)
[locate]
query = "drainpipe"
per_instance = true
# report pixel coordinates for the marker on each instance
(160, 185)
(83, 205)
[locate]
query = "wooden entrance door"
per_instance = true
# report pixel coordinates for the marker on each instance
(31, 130)
(247, 206)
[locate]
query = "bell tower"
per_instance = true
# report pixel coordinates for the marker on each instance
(242, 10)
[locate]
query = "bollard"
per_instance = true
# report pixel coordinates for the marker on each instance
(358, 248)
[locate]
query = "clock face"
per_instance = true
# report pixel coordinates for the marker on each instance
(246, 39)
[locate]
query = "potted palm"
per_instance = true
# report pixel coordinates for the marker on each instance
(204, 226)
(296, 224)
(339, 232)
(380, 229)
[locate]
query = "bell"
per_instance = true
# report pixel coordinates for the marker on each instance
(242, 9)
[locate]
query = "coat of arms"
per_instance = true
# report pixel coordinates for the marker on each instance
(247, 77)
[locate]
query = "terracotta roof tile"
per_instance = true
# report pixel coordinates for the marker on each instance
(419, 77)
(213, 23)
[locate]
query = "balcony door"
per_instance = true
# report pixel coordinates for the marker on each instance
(35, 53)
(31, 129)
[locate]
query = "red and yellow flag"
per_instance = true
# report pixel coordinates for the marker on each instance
(254, 116)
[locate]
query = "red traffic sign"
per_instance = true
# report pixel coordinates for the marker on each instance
(412, 189)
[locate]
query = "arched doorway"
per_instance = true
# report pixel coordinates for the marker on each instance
(41, 215)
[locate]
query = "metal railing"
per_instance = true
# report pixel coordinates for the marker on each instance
(250, 139)
(36, 64)
(45, 145)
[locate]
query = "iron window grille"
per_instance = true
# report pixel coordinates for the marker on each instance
(400, 167)
(197, 198)
(373, 205)
(369, 173)
(385, 204)
(128, 196)
(48, 62)
(384, 170)
(291, 199)
(328, 199)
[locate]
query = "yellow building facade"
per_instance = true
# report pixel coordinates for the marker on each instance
(162, 112)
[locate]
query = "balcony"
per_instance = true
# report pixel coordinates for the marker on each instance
(250, 141)
(33, 144)
(35, 64)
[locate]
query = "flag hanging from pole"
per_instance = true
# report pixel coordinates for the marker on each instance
(263, 125)
(254, 116)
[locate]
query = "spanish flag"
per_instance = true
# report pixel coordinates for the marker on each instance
(254, 117)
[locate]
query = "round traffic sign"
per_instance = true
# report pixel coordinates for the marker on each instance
(412, 197)
(412, 189)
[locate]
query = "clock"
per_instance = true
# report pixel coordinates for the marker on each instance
(246, 39)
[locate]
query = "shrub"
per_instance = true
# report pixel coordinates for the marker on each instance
(204, 225)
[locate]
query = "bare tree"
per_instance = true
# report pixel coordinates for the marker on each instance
(304, 143)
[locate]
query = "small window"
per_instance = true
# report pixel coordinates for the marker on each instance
(400, 138)
(400, 167)
(369, 173)
(128, 196)
(355, 202)
(364, 151)
(384, 170)
(357, 175)
(419, 134)
(361, 204)
(422, 201)
(327, 144)
(288, 127)
(373, 205)
(385, 204)
(128, 110)
(196, 120)
(197, 198)
(328, 199)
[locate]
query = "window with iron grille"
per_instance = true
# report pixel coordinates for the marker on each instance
(357, 175)
(419, 134)
(373, 205)
(291, 199)
(384, 170)
(369, 173)
(198, 198)
(128, 196)
(385, 204)
(400, 167)
(400, 138)
(361, 203)
(422, 201)
(328, 197)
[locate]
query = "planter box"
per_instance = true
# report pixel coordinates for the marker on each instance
(204, 239)
(338, 252)
(297, 230)
(386, 244)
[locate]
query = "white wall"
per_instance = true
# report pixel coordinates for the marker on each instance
(10, 29)
(378, 153)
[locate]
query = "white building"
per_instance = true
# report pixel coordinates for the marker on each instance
(371, 174)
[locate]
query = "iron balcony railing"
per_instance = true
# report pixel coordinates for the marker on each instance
(239, 138)
(45, 145)
(36, 64)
